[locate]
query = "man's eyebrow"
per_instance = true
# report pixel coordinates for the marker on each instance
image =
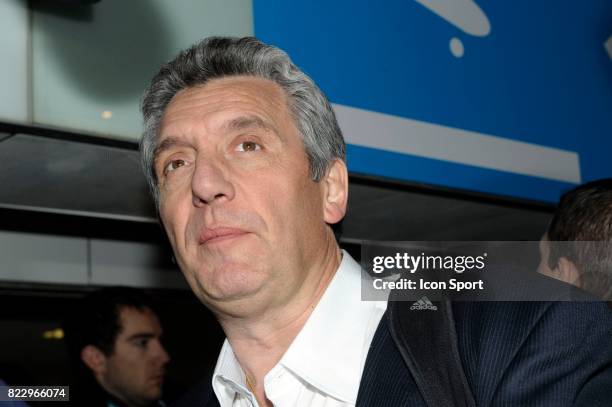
(167, 144)
(248, 122)
(141, 335)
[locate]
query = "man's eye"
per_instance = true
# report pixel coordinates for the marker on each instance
(248, 146)
(173, 165)
(142, 343)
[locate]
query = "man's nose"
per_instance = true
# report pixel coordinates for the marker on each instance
(164, 357)
(160, 353)
(210, 183)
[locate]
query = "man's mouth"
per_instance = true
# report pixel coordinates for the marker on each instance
(221, 234)
(158, 379)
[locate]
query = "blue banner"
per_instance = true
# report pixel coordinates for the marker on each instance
(510, 98)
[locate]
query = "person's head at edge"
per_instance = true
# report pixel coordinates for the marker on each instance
(583, 216)
(246, 162)
(115, 335)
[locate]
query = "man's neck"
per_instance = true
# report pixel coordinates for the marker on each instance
(260, 342)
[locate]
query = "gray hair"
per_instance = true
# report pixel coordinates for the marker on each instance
(218, 57)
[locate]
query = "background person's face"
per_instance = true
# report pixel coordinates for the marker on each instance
(245, 219)
(134, 372)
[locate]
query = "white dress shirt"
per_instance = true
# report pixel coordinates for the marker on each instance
(324, 363)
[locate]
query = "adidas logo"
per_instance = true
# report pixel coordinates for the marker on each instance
(422, 304)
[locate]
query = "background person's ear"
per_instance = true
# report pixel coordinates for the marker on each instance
(567, 271)
(336, 192)
(93, 358)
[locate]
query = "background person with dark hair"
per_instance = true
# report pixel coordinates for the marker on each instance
(584, 220)
(115, 344)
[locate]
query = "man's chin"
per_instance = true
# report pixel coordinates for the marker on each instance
(153, 393)
(156, 394)
(234, 291)
(227, 283)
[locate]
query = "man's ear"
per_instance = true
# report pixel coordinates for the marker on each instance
(94, 359)
(336, 192)
(568, 271)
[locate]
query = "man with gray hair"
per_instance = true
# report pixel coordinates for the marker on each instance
(247, 166)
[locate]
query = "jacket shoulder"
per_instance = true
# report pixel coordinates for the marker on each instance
(535, 353)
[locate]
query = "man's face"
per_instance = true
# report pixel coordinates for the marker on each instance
(134, 372)
(246, 221)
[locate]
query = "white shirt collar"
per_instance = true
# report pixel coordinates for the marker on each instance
(228, 377)
(329, 352)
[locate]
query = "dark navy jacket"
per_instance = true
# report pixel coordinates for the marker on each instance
(498, 354)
